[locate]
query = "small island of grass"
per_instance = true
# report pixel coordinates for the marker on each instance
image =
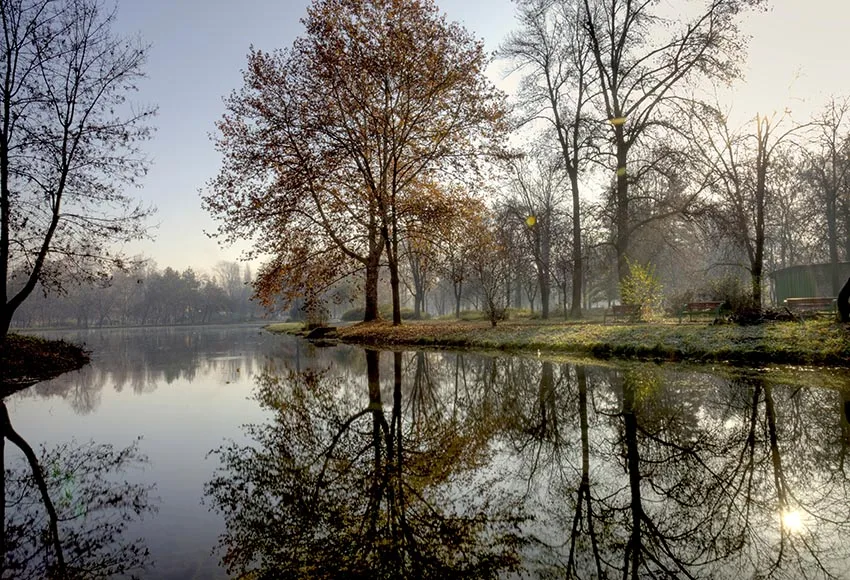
(812, 342)
(25, 360)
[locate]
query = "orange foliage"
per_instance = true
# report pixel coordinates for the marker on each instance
(334, 146)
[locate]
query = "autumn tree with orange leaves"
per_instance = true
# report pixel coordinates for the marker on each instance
(328, 142)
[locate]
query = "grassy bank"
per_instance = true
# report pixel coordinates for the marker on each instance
(820, 342)
(25, 360)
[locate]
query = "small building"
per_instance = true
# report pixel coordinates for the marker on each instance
(808, 280)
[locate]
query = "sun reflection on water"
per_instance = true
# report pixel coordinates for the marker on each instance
(792, 521)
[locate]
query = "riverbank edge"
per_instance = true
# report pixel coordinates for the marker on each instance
(812, 342)
(26, 360)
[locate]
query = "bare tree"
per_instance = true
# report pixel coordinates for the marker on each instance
(533, 205)
(740, 167)
(489, 265)
(554, 54)
(68, 144)
(797, 214)
(641, 58)
(828, 169)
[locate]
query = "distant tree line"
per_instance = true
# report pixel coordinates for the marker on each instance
(147, 296)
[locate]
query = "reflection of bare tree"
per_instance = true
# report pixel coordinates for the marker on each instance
(787, 488)
(677, 474)
(423, 394)
(634, 471)
(535, 414)
(540, 409)
(584, 518)
(664, 463)
(337, 486)
(64, 513)
(708, 484)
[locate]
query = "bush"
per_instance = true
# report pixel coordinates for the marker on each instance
(316, 314)
(677, 302)
(407, 314)
(642, 287)
(516, 313)
(737, 297)
(495, 313)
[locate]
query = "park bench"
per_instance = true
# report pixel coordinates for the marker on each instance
(811, 305)
(706, 308)
(626, 312)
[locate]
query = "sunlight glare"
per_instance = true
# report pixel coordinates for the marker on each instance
(792, 521)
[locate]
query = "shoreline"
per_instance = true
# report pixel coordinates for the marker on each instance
(26, 360)
(812, 342)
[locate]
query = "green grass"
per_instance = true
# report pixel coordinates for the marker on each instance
(820, 342)
(25, 360)
(285, 327)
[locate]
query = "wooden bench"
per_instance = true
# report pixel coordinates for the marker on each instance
(709, 307)
(627, 312)
(811, 305)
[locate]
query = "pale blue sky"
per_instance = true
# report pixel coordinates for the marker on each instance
(798, 56)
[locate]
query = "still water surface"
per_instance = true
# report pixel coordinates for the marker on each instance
(213, 452)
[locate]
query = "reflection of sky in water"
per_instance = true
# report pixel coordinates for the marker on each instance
(188, 390)
(184, 390)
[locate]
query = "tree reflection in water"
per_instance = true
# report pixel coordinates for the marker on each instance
(341, 484)
(65, 511)
(478, 466)
(683, 475)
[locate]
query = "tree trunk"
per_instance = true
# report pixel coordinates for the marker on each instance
(391, 244)
(844, 302)
(2, 500)
(756, 279)
(564, 294)
(5, 322)
(578, 266)
(5, 216)
(371, 311)
(517, 290)
(846, 215)
(622, 210)
(762, 161)
(832, 239)
(418, 284)
(394, 287)
(541, 240)
(544, 301)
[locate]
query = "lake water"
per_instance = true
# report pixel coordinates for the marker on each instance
(217, 451)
